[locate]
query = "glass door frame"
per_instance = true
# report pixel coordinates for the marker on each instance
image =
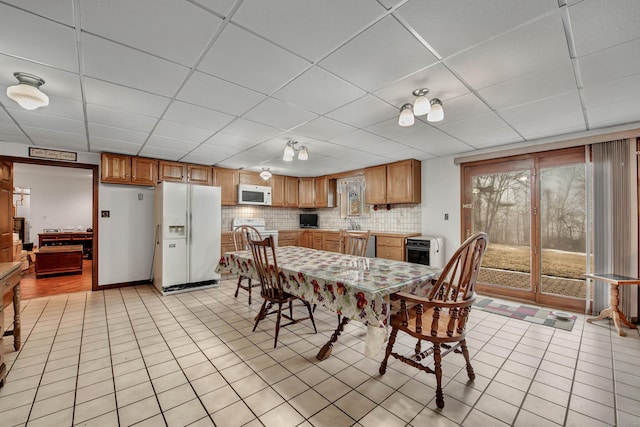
(533, 162)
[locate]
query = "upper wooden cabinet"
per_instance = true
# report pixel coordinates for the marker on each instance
(253, 178)
(277, 190)
(291, 189)
(325, 192)
(200, 174)
(123, 169)
(307, 192)
(227, 180)
(398, 182)
(172, 171)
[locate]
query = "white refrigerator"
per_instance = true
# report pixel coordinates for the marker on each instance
(187, 237)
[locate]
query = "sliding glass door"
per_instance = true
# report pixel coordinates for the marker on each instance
(534, 210)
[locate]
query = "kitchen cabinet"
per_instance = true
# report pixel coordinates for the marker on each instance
(123, 169)
(278, 195)
(388, 247)
(291, 191)
(253, 178)
(226, 243)
(200, 174)
(288, 237)
(331, 241)
(307, 192)
(317, 240)
(325, 195)
(172, 171)
(398, 182)
(227, 180)
(305, 239)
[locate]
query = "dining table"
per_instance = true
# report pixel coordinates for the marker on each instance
(355, 288)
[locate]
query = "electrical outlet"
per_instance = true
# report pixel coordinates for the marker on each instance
(446, 217)
(105, 214)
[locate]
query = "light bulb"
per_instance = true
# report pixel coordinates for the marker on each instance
(303, 154)
(421, 106)
(406, 116)
(265, 174)
(437, 112)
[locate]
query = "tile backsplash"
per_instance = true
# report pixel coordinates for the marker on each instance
(399, 219)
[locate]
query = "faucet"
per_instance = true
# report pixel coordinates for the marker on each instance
(353, 225)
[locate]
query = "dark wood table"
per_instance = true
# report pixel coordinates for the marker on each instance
(613, 311)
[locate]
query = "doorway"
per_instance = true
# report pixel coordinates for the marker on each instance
(534, 210)
(55, 198)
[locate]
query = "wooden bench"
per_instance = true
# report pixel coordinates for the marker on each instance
(59, 259)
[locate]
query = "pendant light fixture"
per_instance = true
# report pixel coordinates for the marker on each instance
(27, 92)
(437, 113)
(290, 151)
(406, 115)
(421, 106)
(265, 174)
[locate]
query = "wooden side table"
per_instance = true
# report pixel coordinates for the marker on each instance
(613, 311)
(10, 275)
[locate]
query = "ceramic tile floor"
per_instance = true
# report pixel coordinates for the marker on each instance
(129, 356)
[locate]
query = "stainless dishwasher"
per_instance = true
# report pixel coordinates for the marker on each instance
(371, 247)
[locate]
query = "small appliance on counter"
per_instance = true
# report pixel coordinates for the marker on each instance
(257, 223)
(426, 250)
(308, 220)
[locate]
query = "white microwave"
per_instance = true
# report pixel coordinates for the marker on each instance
(254, 195)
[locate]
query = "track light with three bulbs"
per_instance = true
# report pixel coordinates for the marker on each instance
(421, 106)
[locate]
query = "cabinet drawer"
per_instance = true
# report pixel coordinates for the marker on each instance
(390, 252)
(390, 241)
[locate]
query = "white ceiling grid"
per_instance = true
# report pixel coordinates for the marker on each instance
(228, 83)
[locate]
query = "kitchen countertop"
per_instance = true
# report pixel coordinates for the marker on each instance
(374, 233)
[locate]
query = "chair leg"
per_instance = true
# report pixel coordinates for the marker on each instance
(437, 358)
(260, 315)
(238, 287)
(249, 288)
(311, 316)
(465, 353)
(290, 310)
(275, 341)
(387, 353)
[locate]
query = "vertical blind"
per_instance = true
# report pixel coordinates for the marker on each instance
(615, 221)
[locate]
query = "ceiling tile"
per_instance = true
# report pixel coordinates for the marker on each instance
(10, 129)
(357, 139)
(123, 98)
(493, 137)
(180, 131)
(310, 29)
(31, 37)
(179, 145)
(555, 79)
(221, 7)
(161, 153)
(236, 52)
(43, 121)
(58, 107)
(117, 134)
(471, 21)
(279, 114)
(612, 92)
(522, 51)
(110, 145)
(117, 118)
(476, 124)
(115, 63)
(251, 130)
(618, 113)
(391, 129)
(598, 25)
(194, 115)
(319, 91)
(388, 48)
(58, 10)
(383, 148)
(178, 31)
(364, 112)
(461, 108)
(597, 68)
(56, 139)
(212, 92)
(323, 128)
(232, 142)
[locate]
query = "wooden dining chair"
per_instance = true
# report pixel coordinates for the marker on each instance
(441, 317)
(354, 242)
(241, 243)
(266, 264)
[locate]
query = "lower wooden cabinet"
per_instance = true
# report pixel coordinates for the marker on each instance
(390, 248)
(331, 241)
(288, 237)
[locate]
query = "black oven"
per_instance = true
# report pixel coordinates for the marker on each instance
(418, 251)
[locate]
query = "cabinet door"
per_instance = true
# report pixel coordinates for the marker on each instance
(144, 171)
(115, 168)
(331, 241)
(321, 200)
(277, 190)
(317, 241)
(252, 178)
(403, 182)
(172, 171)
(307, 193)
(306, 239)
(376, 180)
(227, 180)
(199, 174)
(291, 188)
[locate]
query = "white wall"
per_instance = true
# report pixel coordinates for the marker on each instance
(61, 198)
(440, 196)
(126, 243)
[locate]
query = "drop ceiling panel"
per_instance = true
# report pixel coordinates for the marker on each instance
(194, 115)
(310, 29)
(251, 130)
(319, 91)
(391, 130)
(612, 92)
(471, 21)
(117, 134)
(615, 114)
(212, 92)
(58, 107)
(117, 118)
(44, 121)
(110, 145)
(10, 129)
(126, 99)
(323, 128)
(461, 108)
(357, 139)
(464, 128)
(223, 140)
(493, 137)
(220, 7)
(364, 112)
(383, 148)
(547, 82)
(387, 47)
(178, 31)
(279, 114)
(234, 56)
(55, 138)
(598, 25)
(180, 131)
(161, 153)
(178, 145)
(58, 10)
(115, 63)
(519, 52)
(31, 37)
(597, 68)
(409, 153)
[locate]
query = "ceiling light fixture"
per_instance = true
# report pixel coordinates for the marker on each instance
(27, 93)
(421, 106)
(290, 151)
(265, 174)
